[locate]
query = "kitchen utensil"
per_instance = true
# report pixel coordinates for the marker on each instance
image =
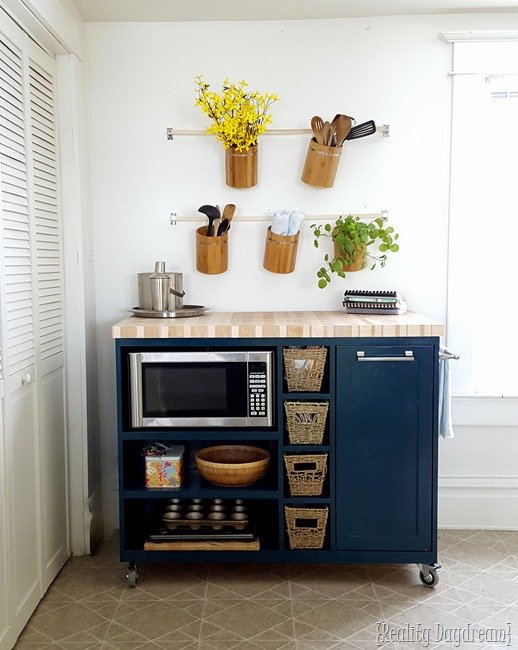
(228, 212)
(227, 216)
(232, 465)
(223, 227)
(212, 213)
(362, 130)
(187, 311)
(343, 126)
(159, 283)
(317, 124)
(332, 139)
(327, 134)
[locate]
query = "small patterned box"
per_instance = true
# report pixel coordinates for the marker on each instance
(164, 466)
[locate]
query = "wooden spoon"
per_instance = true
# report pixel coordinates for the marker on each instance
(327, 134)
(343, 126)
(317, 124)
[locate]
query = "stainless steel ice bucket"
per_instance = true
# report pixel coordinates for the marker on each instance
(175, 302)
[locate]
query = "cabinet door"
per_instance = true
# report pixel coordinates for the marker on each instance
(385, 447)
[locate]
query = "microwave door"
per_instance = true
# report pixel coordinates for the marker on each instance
(204, 393)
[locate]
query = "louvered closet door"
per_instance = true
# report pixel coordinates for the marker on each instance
(32, 320)
(47, 235)
(22, 474)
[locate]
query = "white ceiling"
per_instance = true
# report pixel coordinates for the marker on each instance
(185, 10)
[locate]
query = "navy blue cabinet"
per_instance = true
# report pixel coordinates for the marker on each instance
(380, 437)
(385, 448)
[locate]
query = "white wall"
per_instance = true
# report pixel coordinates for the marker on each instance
(393, 70)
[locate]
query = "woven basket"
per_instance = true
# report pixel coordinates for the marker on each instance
(306, 422)
(309, 480)
(306, 536)
(304, 368)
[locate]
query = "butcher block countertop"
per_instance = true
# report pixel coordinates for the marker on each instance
(277, 324)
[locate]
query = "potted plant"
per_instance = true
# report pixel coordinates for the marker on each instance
(239, 116)
(352, 238)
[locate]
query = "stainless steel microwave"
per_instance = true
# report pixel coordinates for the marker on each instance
(201, 389)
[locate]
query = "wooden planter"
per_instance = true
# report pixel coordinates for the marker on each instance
(211, 252)
(241, 167)
(280, 252)
(359, 259)
(321, 165)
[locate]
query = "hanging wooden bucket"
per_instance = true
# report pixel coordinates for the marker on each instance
(321, 165)
(280, 252)
(211, 252)
(241, 167)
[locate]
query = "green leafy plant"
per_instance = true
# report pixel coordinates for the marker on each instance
(352, 239)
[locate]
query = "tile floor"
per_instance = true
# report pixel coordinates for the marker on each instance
(297, 607)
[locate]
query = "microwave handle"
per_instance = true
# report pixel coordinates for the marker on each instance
(135, 367)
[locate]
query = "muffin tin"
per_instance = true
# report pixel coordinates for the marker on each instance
(212, 513)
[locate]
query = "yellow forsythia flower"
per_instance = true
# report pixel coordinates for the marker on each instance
(238, 116)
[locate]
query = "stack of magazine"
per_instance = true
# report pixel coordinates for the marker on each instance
(374, 302)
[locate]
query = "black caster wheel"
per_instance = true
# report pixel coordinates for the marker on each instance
(132, 574)
(429, 579)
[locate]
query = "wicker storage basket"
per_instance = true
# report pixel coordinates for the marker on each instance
(306, 473)
(303, 536)
(304, 368)
(306, 422)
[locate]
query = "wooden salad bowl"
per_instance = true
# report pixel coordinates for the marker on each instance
(232, 465)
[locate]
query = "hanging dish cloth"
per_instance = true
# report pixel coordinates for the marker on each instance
(445, 421)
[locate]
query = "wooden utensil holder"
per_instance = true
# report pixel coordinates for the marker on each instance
(280, 252)
(211, 252)
(321, 164)
(241, 167)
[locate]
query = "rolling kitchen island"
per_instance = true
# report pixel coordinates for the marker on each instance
(380, 440)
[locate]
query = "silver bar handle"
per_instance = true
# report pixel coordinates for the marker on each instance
(447, 356)
(409, 356)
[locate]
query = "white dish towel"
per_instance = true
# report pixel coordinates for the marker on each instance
(445, 421)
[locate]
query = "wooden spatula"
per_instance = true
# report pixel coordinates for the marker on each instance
(226, 218)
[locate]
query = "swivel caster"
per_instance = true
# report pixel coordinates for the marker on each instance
(428, 574)
(132, 574)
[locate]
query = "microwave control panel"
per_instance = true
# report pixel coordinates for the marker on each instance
(258, 404)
